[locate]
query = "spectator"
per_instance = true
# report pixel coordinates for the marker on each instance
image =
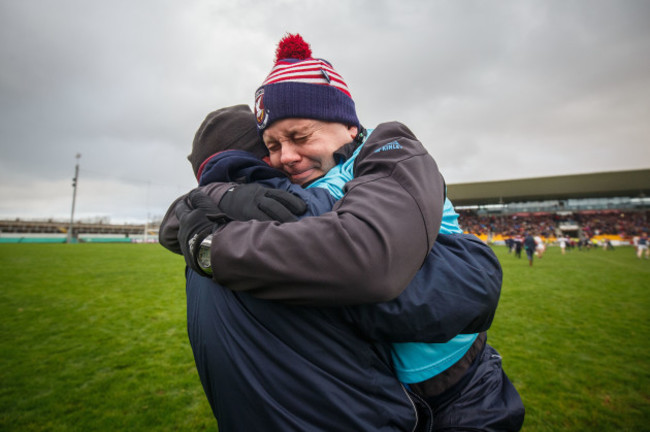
(642, 246)
(530, 245)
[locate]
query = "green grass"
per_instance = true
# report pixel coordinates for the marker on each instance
(93, 338)
(573, 331)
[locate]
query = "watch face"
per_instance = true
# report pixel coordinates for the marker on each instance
(203, 258)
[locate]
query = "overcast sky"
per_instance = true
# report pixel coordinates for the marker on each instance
(494, 89)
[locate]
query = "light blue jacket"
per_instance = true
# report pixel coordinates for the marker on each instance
(413, 361)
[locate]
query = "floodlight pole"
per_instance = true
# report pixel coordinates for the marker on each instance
(146, 228)
(74, 197)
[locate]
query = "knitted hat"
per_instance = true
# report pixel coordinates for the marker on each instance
(300, 86)
(231, 128)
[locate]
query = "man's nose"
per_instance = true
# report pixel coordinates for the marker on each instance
(289, 154)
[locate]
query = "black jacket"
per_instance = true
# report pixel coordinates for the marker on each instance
(308, 368)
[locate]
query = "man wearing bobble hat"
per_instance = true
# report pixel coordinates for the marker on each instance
(375, 240)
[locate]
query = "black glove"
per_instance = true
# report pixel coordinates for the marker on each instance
(253, 201)
(198, 216)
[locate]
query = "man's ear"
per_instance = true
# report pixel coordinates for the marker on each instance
(353, 130)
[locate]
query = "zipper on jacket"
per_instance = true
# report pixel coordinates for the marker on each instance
(411, 396)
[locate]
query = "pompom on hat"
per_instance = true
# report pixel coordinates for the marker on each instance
(300, 86)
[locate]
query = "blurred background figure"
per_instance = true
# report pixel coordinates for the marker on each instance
(642, 246)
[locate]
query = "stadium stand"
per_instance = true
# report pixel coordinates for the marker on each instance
(589, 208)
(620, 227)
(594, 207)
(52, 231)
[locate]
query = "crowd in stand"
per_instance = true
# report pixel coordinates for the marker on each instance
(626, 224)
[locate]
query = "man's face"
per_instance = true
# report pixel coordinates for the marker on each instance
(304, 148)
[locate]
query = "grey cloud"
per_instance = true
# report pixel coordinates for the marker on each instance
(503, 90)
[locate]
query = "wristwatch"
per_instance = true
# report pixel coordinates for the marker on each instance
(203, 256)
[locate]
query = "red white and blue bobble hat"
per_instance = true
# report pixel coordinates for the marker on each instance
(300, 86)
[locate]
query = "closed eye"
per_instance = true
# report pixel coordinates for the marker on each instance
(301, 139)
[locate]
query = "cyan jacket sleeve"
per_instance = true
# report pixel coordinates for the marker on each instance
(366, 250)
(456, 291)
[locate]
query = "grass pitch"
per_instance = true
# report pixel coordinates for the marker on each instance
(93, 338)
(573, 331)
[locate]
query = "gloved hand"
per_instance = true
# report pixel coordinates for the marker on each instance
(253, 201)
(198, 216)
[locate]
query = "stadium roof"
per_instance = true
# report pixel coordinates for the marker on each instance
(596, 185)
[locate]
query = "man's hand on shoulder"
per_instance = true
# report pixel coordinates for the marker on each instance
(198, 217)
(253, 201)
